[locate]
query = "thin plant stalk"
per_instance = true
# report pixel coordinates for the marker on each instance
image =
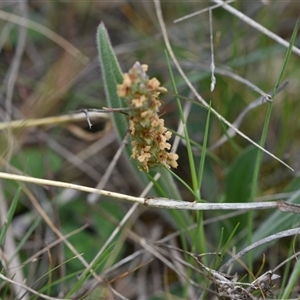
(200, 228)
(186, 137)
(196, 181)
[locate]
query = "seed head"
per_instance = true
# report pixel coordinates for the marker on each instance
(149, 135)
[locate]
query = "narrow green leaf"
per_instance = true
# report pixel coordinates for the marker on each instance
(10, 215)
(268, 226)
(287, 57)
(293, 281)
(204, 148)
(239, 177)
(192, 165)
(112, 76)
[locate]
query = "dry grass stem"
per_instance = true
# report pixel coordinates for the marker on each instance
(151, 202)
(54, 121)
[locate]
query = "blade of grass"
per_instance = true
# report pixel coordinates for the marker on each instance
(199, 233)
(27, 235)
(263, 140)
(204, 148)
(287, 57)
(183, 183)
(195, 180)
(226, 245)
(9, 217)
(85, 275)
(44, 289)
(293, 281)
(286, 272)
(192, 165)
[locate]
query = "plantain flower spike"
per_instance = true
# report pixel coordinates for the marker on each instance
(149, 135)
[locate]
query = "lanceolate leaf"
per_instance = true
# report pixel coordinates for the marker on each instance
(112, 75)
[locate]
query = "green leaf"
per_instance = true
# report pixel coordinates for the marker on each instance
(112, 76)
(240, 175)
(32, 159)
(238, 182)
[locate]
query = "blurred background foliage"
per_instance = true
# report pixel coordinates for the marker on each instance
(51, 82)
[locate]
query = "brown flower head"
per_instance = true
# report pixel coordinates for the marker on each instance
(149, 135)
